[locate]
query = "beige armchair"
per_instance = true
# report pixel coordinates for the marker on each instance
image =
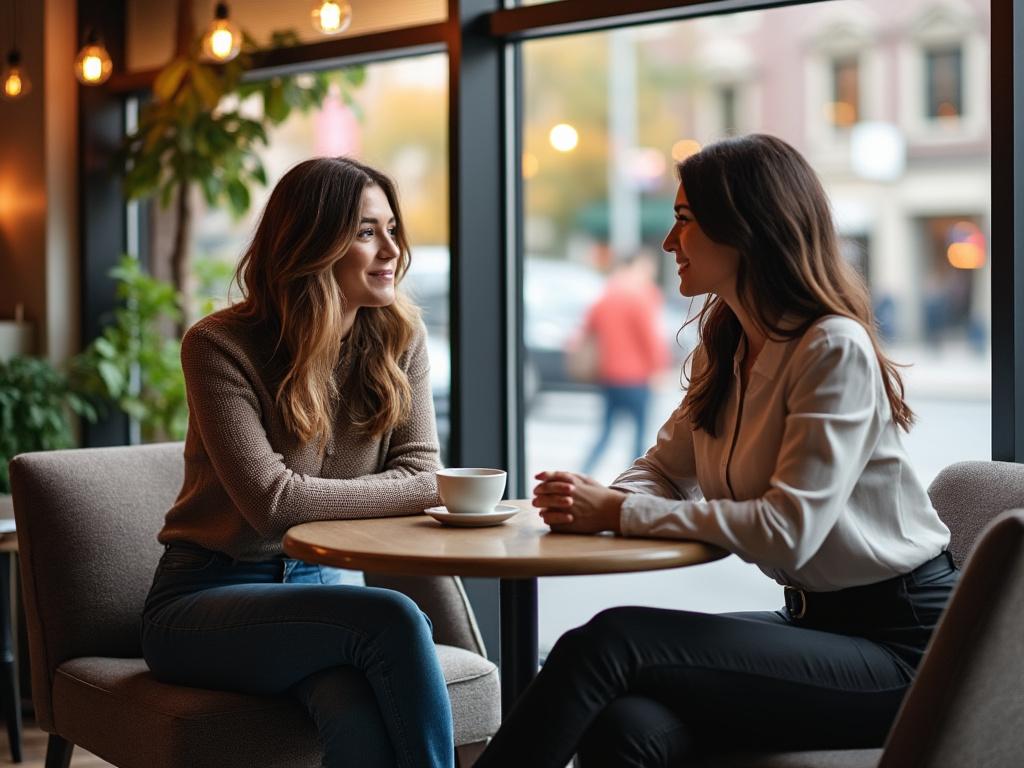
(965, 707)
(87, 523)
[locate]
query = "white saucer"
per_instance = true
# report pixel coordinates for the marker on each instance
(496, 516)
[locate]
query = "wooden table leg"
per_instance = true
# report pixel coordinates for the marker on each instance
(518, 639)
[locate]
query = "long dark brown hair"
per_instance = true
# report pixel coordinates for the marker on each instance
(288, 284)
(759, 195)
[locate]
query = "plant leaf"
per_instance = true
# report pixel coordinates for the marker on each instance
(169, 78)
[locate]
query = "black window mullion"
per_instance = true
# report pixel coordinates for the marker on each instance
(480, 392)
(1007, 89)
(103, 216)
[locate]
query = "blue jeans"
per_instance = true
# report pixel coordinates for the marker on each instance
(361, 659)
(630, 400)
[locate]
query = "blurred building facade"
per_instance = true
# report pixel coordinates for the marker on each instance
(890, 104)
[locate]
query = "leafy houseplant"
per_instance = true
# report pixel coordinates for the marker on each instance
(35, 401)
(133, 364)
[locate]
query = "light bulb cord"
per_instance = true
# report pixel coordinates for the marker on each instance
(14, 25)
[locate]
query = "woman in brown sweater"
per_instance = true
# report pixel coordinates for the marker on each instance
(308, 400)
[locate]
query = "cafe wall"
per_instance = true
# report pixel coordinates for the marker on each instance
(38, 183)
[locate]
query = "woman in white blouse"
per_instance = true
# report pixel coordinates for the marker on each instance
(786, 451)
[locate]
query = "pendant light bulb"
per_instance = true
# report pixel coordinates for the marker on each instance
(223, 40)
(93, 65)
(331, 17)
(15, 83)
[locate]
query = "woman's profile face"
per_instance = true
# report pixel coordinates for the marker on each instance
(704, 265)
(366, 273)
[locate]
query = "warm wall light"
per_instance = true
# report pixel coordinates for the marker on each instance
(15, 82)
(93, 65)
(222, 40)
(564, 137)
(331, 18)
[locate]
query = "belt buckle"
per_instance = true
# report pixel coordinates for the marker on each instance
(796, 602)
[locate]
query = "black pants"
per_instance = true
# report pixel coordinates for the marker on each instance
(647, 687)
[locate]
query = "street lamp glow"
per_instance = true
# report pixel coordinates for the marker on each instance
(530, 165)
(564, 137)
(683, 148)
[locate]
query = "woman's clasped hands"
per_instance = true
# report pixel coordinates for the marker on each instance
(573, 503)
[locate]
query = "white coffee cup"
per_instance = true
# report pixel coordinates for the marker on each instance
(471, 489)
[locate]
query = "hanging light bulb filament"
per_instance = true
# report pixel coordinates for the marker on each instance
(92, 68)
(331, 17)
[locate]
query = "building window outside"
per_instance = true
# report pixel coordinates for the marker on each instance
(944, 82)
(844, 109)
(728, 99)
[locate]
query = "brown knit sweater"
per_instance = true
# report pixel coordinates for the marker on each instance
(247, 480)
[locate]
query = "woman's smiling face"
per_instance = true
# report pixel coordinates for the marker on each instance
(366, 273)
(704, 266)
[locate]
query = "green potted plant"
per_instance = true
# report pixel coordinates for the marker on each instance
(133, 365)
(36, 401)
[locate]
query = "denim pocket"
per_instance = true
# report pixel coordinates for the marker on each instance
(186, 559)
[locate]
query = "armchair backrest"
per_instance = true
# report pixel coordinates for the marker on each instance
(87, 522)
(965, 706)
(968, 495)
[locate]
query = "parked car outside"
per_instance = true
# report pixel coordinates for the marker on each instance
(556, 294)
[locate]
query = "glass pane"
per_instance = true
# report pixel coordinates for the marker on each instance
(375, 129)
(944, 75)
(845, 107)
(605, 117)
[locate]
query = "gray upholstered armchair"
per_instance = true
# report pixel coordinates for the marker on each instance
(965, 707)
(87, 522)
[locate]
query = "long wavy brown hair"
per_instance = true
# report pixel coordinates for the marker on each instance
(759, 195)
(289, 287)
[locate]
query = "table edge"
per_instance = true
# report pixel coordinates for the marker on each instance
(510, 567)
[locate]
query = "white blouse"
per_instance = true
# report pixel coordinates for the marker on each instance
(808, 477)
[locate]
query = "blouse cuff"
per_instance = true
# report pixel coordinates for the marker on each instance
(633, 519)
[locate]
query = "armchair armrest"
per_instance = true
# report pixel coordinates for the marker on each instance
(444, 600)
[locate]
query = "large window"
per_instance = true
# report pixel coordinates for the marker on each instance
(605, 117)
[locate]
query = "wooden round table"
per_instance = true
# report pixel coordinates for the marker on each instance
(517, 552)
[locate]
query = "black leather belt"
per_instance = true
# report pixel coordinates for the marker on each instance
(802, 604)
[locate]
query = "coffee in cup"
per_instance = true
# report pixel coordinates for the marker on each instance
(471, 489)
